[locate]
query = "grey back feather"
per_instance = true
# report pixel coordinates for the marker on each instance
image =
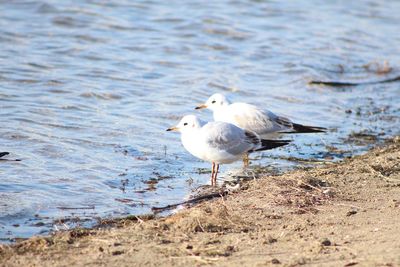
(229, 138)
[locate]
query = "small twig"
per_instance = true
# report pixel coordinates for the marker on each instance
(201, 226)
(199, 258)
(139, 220)
(227, 210)
(313, 187)
(295, 188)
(190, 201)
(306, 211)
(392, 180)
(348, 205)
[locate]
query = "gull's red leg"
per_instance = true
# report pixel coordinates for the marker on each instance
(246, 160)
(216, 174)
(212, 173)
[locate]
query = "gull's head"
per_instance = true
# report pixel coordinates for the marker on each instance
(187, 123)
(214, 102)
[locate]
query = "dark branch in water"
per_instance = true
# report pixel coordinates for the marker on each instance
(2, 154)
(334, 83)
(77, 208)
(190, 201)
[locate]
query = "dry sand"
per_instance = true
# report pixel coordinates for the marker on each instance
(345, 214)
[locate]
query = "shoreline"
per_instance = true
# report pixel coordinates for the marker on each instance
(340, 214)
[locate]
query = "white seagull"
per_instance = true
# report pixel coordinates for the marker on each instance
(252, 118)
(220, 142)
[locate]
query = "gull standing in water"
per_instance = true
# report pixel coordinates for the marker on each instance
(252, 118)
(220, 142)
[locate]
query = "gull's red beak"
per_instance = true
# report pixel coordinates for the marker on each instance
(201, 106)
(173, 129)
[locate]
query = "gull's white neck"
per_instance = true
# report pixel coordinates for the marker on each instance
(192, 140)
(219, 113)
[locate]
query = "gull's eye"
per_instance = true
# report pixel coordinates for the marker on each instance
(213, 102)
(185, 124)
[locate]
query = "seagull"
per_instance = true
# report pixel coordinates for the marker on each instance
(220, 142)
(252, 118)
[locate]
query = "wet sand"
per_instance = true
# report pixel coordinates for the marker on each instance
(344, 214)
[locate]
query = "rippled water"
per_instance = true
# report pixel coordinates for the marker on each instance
(87, 89)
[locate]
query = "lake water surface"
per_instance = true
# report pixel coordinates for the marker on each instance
(87, 89)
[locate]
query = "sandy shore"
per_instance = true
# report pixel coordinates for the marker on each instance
(345, 214)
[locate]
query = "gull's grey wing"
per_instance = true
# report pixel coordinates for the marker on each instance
(229, 138)
(260, 121)
(284, 122)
